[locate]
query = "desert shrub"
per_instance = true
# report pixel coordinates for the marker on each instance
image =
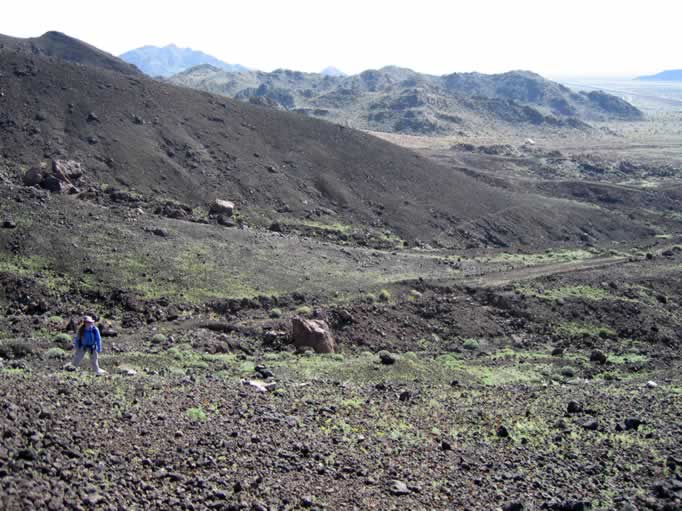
(196, 414)
(55, 353)
(276, 313)
(471, 344)
(304, 310)
(63, 339)
(371, 298)
(567, 371)
(158, 339)
(15, 349)
(55, 319)
(384, 295)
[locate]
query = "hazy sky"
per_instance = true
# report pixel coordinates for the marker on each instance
(551, 37)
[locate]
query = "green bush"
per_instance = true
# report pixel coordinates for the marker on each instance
(63, 339)
(304, 310)
(276, 313)
(471, 344)
(567, 371)
(158, 339)
(197, 414)
(371, 298)
(384, 295)
(15, 349)
(55, 353)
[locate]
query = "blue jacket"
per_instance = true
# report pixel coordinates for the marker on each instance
(90, 339)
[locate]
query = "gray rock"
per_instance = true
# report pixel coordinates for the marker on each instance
(221, 207)
(34, 176)
(397, 487)
(591, 425)
(67, 170)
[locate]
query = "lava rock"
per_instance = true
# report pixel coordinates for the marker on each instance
(574, 407)
(387, 358)
(598, 356)
(34, 177)
(632, 423)
(9, 224)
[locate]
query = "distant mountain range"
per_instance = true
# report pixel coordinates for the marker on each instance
(400, 100)
(672, 75)
(170, 60)
(332, 71)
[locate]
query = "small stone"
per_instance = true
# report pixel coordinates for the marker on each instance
(9, 224)
(27, 455)
(632, 423)
(557, 352)
(92, 117)
(651, 384)
(514, 506)
(398, 488)
(591, 425)
(387, 358)
(598, 356)
(405, 395)
(445, 446)
(574, 407)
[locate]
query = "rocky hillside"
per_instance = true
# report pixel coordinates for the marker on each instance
(159, 142)
(170, 60)
(400, 100)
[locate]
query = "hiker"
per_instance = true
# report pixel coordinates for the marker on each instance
(88, 339)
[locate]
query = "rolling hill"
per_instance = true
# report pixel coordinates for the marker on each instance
(399, 100)
(160, 140)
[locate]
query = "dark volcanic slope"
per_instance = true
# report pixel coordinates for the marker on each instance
(191, 146)
(400, 100)
(56, 44)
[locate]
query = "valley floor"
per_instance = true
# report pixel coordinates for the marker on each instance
(555, 385)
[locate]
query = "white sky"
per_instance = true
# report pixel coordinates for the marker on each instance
(551, 37)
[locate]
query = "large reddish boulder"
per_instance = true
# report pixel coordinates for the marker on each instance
(311, 333)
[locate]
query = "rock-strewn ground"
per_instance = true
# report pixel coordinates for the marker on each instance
(550, 409)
